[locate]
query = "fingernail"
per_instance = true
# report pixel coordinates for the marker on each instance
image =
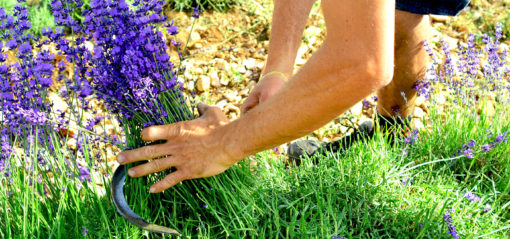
(121, 158)
(131, 172)
(152, 189)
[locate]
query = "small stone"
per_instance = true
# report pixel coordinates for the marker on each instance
(440, 99)
(222, 103)
(191, 86)
(312, 31)
(417, 124)
(71, 143)
(224, 81)
(418, 113)
(232, 115)
(420, 100)
(215, 80)
(232, 108)
(249, 63)
(197, 71)
(89, 45)
(204, 83)
(221, 64)
(357, 109)
(232, 96)
(194, 36)
(58, 103)
(220, 55)
(109, 129)
(188, 75)
(245, 92)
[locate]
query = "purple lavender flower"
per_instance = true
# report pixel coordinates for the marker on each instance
(85, 231)
(487, 208)
(366, 104)
(449, 222)
(499, 29)
(469, 153)
(196, 12)
(412, 138)
(471, 144)
(407, 180)
(84, 174)
(486, 147)
(472, 197)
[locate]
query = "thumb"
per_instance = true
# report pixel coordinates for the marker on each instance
(207, 111)
(202, 108)
(249, 103)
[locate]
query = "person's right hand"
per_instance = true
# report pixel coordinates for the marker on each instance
(267, 87)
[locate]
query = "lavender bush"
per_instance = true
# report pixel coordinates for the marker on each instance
(112, 64)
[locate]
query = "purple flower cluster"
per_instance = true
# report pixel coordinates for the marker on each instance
(407, 180)
(449, 222)
(115, 53)
(412, 138)
(468, 149)
(84, 174)
(472, 197)
(24, 83)
(487, 208)
(460, 75)
(85, 231)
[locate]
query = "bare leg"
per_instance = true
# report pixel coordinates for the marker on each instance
(410, 64)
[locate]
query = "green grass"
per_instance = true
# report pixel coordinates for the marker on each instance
(358, 194)
(39, 10)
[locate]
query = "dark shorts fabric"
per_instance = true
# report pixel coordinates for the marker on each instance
(436, 7)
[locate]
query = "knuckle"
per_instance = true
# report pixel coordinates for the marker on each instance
(149, 151)
(168, 181)
(155, 165)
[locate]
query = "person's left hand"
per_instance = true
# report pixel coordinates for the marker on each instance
(195, 148)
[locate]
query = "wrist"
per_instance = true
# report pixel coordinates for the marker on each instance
(225, 135)
(278, 74)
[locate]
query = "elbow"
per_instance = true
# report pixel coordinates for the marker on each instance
(379, 74)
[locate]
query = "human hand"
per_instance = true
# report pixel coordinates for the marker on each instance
(194, 148)
(267, 87)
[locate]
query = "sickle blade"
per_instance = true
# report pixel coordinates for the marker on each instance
(123, 209)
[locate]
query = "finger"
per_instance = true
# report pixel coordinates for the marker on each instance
(169, 181)
(208, 111)
(202, 108)
(153, 166)
(162, 132)
(248, 104)
(143, 153)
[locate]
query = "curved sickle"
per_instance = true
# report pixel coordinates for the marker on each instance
(123, 209)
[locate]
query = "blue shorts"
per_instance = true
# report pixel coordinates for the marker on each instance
(436, 7)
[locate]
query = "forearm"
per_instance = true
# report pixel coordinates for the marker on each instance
(289, 19)
(352, 63)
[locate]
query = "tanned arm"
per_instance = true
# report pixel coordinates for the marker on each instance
(355, 60)
(289, 19)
